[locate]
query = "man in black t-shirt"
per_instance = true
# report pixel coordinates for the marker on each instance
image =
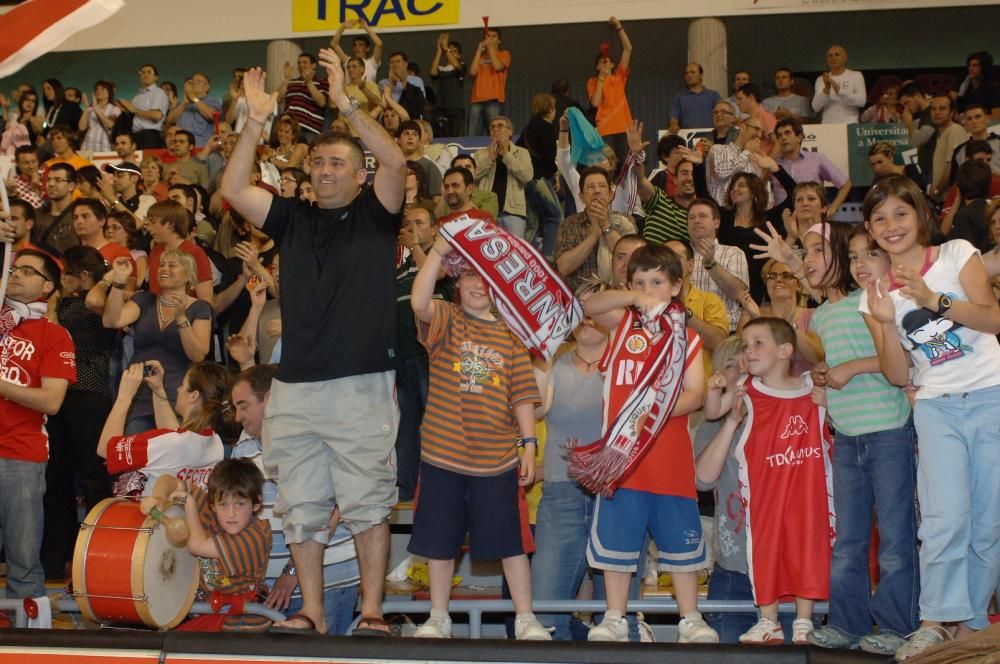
(332, 416)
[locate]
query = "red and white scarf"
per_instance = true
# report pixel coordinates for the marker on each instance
(13, 312)
(531, 297)
(600, 467)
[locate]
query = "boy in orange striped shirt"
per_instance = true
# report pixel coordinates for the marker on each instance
(482, 396)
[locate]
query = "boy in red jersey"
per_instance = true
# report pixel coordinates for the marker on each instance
(784, 460)
(658, 492)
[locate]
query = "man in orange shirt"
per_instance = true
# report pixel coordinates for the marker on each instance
(607, 94)
(489, 69)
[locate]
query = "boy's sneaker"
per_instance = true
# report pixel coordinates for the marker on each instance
(831, 637)
(527, 628)
(801, 629)
(694, 629)
(765, 633)
(614, 627)
(436, 627)
(646, 634)
(921, 640)
(882, 644)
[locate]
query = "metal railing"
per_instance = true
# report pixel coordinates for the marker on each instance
(475, 608)
(70, 606)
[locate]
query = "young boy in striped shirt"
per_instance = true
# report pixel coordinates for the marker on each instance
(480, 409)
(231, 543)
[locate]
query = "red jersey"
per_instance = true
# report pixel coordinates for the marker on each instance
(201, 262)
(190, 455)
(786, 487)
(35, 349)
(668, 467)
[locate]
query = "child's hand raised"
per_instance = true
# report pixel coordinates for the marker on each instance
(880, 305)
(717, 381)
(739, 409)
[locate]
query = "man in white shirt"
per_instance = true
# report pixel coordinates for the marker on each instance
(840, 92)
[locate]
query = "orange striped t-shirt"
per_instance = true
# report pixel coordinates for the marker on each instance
(479, 372)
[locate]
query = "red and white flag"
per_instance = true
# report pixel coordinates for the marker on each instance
(33, 28)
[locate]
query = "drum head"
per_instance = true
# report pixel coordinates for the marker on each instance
(169, 577)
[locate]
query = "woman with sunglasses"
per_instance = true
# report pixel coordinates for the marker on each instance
(784, 297)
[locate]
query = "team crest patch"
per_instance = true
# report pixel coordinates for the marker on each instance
(636, 343)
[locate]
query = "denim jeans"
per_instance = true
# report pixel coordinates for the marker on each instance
(481, 114)
(544, 214)
(875, 470)
(560, 561)
(412, 378)
(958, 484)
(22, 487)
(338, 606)
(724, 584)
(512, 223)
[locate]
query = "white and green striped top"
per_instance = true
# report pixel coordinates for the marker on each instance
(868, 403)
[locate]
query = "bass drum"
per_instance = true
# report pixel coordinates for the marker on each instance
(125, 570)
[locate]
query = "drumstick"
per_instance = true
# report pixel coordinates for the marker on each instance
(176, 529)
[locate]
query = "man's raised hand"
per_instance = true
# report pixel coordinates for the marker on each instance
(259, 101)
(334, 71)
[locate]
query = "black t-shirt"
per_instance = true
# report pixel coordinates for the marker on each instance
(450, 82)
(338, 287)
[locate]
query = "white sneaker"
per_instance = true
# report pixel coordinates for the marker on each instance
(527, 628)
(801, 628)
(921, 640)
(436, 627)
(694, 629)
(614, 627)
(765, 633)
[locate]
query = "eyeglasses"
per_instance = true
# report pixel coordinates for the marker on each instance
(289, 180)
(27, 271)
(784, 276)
(722, 111)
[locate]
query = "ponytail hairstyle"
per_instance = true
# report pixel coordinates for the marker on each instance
(211, 381)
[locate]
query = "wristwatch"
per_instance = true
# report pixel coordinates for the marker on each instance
(354, 105)
(709, 265)
(944, 304)
(609, 229)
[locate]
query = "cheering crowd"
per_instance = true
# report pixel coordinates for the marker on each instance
(815, 388)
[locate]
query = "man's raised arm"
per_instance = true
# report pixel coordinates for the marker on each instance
(390, 176)
(250, 201)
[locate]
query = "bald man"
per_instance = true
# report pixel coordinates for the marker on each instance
(840, 92)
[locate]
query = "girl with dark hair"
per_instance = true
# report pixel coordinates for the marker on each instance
(58, 111)
(935, 310)
(187, 447)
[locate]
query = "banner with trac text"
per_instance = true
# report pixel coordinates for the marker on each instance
(328, 15)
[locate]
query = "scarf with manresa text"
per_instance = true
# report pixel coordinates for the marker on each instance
(13, 312)
(601, 466)
(531, 298)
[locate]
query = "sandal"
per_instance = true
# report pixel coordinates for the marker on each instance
(372, 627)
(288, 629)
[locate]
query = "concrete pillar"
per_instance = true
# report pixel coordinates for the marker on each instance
(279, 52)
(707, 47)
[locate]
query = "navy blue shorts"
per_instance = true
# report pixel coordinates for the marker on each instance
(491, 510)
